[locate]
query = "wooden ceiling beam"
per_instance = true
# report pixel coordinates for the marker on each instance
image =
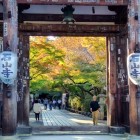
(69, 30)
(58, 17)
(69, 34)
(75, 2)
(70, 27)
(78, 18)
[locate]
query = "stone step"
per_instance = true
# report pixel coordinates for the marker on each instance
(69, 133)
(95, 129)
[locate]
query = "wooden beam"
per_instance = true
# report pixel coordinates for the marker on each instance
(68, 34)
(75, 2)
(78, 18)
(59, 17)
(70, 28)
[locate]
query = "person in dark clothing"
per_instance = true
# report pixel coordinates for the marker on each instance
(50, 104)
(94, 108)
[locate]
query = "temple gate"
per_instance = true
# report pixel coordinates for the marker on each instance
(117, 20)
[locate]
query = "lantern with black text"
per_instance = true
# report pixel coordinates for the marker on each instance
(133, 65)
(8, 67)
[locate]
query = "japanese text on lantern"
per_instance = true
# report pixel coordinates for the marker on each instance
(135, 65)
(8, 67)
(134, 68)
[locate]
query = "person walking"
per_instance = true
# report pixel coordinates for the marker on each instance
(50, 104)
(54, 103)
(94, 108)
(45, 103)
(59, 103)
(37, 109)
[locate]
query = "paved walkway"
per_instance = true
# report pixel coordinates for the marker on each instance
(66, 119)
(65, 122)
(57, 117)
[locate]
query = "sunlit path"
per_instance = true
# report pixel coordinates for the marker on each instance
(61, 121)
(57, 117)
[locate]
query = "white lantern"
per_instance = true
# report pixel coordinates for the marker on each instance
(133, 65)
(8, 67)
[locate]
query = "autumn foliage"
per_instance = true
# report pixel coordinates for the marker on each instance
(76, 65)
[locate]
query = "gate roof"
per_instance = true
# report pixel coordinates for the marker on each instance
(44, 17)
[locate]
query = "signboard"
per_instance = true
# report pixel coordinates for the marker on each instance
(133, 65)
(8, 67)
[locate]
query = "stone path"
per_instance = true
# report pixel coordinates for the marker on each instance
(57, 117)
(58, 121)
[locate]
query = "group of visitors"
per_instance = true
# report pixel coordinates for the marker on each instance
(52, 103)
(94, 107)
(47, 103)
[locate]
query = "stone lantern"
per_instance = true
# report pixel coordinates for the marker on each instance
(102, 104)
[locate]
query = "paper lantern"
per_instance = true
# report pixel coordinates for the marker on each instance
(8, 67)
(133, 65)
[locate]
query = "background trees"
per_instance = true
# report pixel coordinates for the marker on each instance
(76, 65)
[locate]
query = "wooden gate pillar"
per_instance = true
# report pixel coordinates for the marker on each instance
(23, 122)
(111, 81)
(133, 28)
(10, 42)
(26, 80)
(20, 82)
(122, 81)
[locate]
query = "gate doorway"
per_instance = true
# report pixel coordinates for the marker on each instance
(97, 18)
(73, 71)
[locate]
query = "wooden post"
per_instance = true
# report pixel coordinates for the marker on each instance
(132, 26)
(23, 122)
(10, 42)
(107, 80)
(20, 83)
(23, 81)
(118, 107)
(26, 81)
(112, 82)
(122, 81)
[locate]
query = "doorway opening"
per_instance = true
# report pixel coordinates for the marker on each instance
(70, 69)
